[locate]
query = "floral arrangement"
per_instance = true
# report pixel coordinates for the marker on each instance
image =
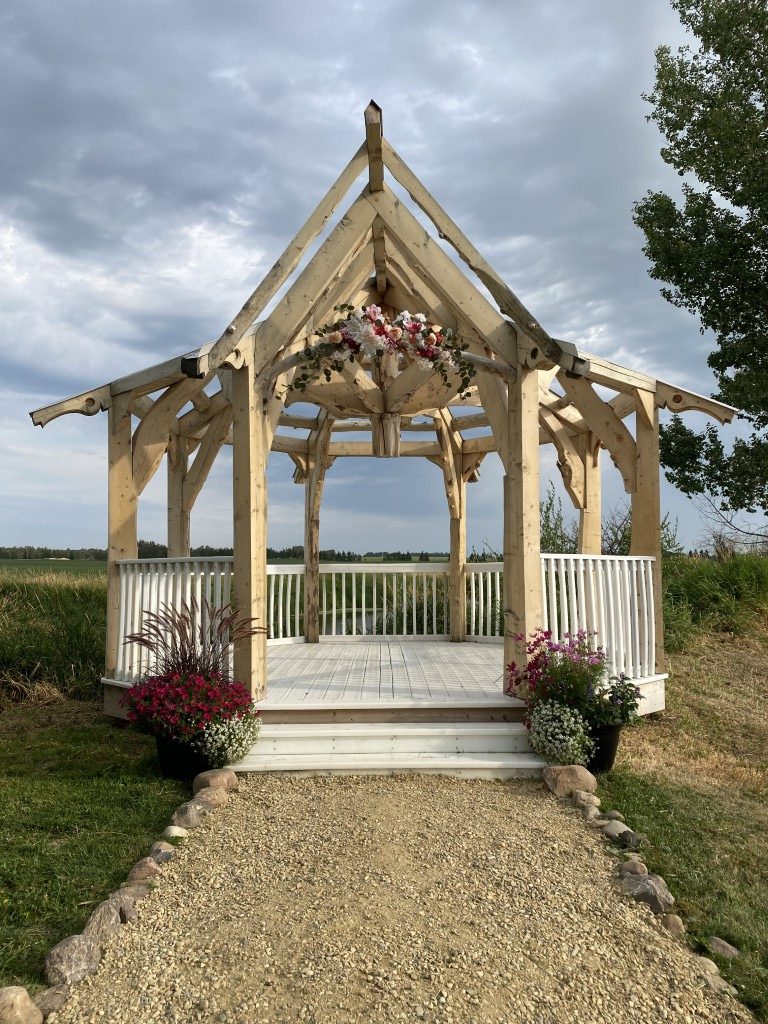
(559, 733)
(367, 331)
(188, 697)
(572, 674)
(212, 715)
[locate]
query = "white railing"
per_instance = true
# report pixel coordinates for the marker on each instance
(401, 599)
(611, 596)
(484, 597)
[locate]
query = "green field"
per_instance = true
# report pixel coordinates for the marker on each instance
(37, 565)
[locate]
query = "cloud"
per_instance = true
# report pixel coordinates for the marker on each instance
(158, 157)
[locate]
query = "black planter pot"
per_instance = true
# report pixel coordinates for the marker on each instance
(606, 739)
(179, 760)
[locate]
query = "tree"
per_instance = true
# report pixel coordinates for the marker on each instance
(711, 250)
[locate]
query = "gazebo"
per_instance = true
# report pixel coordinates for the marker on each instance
(527, 389)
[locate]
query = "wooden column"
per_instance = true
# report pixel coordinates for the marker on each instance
(522, 517)
(311, 567)
(121, 517)
(178, 518)
(249, 467)
(646, 505)
(458, 558)
(590, 516)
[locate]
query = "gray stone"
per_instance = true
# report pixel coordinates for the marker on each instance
(105, 919)
(175, 832)
(162, 852)
(720, 984)
(614, 829)
(674, 925)
(72, 959)
(597, 823)
(51, 1000)
(582, 798)
(189, 815)
(650, 889)
(629, 840)
(722, 948)
(707, 965)
(632, 867)
(133, 890)
(566, 779)
(143, 870)
(17, 1008)
(216, 778)
(614, 816)
(590, 813)
(210, 799)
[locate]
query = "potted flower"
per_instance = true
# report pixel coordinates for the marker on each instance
(572, 676)
(200, 718)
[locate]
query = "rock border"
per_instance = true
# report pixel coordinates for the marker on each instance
(575, 783)
(77, 956)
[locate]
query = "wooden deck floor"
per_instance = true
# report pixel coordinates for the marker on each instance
(384, 673)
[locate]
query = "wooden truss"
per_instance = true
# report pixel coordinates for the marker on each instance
(530, 389)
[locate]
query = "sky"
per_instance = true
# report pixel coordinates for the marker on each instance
(159, 154)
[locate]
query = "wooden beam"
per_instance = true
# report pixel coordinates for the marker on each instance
(87, 404)
(522, 529)
(193, 421)
(317, 465)
(646, 507)
(122, 501)
(210, 446)
(287, 262)
(373, 137)
(152, 436)
(508, 302)
(680, 400)
(357, 449)
(604, 422)
(403, 388)
(426, 256)
(291, 445)
(328, 264)
(178, 517)
(249, 485)
(590, 516)
(362, 386)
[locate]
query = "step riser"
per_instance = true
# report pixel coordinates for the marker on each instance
(489, 774)
(513, 743)
(390, 716)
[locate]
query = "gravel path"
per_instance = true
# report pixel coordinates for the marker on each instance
(400, 898)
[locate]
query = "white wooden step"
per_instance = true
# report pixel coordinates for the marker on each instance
(489, 766)
(403, 738)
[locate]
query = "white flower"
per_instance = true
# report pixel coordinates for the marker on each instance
(559, 733)
(223, 743)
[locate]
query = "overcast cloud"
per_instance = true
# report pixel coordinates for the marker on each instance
(158, 156)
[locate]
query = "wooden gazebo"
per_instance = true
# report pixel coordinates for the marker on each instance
(529, 389)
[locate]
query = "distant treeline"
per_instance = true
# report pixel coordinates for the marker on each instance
(151, 549)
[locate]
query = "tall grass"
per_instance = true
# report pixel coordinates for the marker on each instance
(52, 629)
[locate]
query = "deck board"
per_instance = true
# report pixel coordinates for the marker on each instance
(384, 672)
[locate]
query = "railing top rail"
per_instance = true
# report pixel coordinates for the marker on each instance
(484, 566)
(602, 558)
(401, 567)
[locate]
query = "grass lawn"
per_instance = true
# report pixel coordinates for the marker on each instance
(81, 801)
(695, 781)
(37, 565)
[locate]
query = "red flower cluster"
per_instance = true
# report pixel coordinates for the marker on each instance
(181, 706)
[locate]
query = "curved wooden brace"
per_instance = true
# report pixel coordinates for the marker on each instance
(604, 422)
(153, 433)
(679, 400)
(210, 446)
(451, 461)
(569, 460)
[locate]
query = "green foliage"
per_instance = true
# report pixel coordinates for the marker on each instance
(725, 596)
(711, 854)
(52, 628)
(81, 802)
(558, 534)
(712, 250)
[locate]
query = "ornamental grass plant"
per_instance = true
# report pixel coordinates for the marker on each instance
(188, 698)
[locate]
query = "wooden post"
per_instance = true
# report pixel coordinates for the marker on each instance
(646, 506)
(121, 515)
(522, 516)
(458, 556)
(311, 566)
(249, 467)
(178, 518)
(590, 516)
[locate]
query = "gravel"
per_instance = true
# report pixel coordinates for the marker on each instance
(393, 898)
